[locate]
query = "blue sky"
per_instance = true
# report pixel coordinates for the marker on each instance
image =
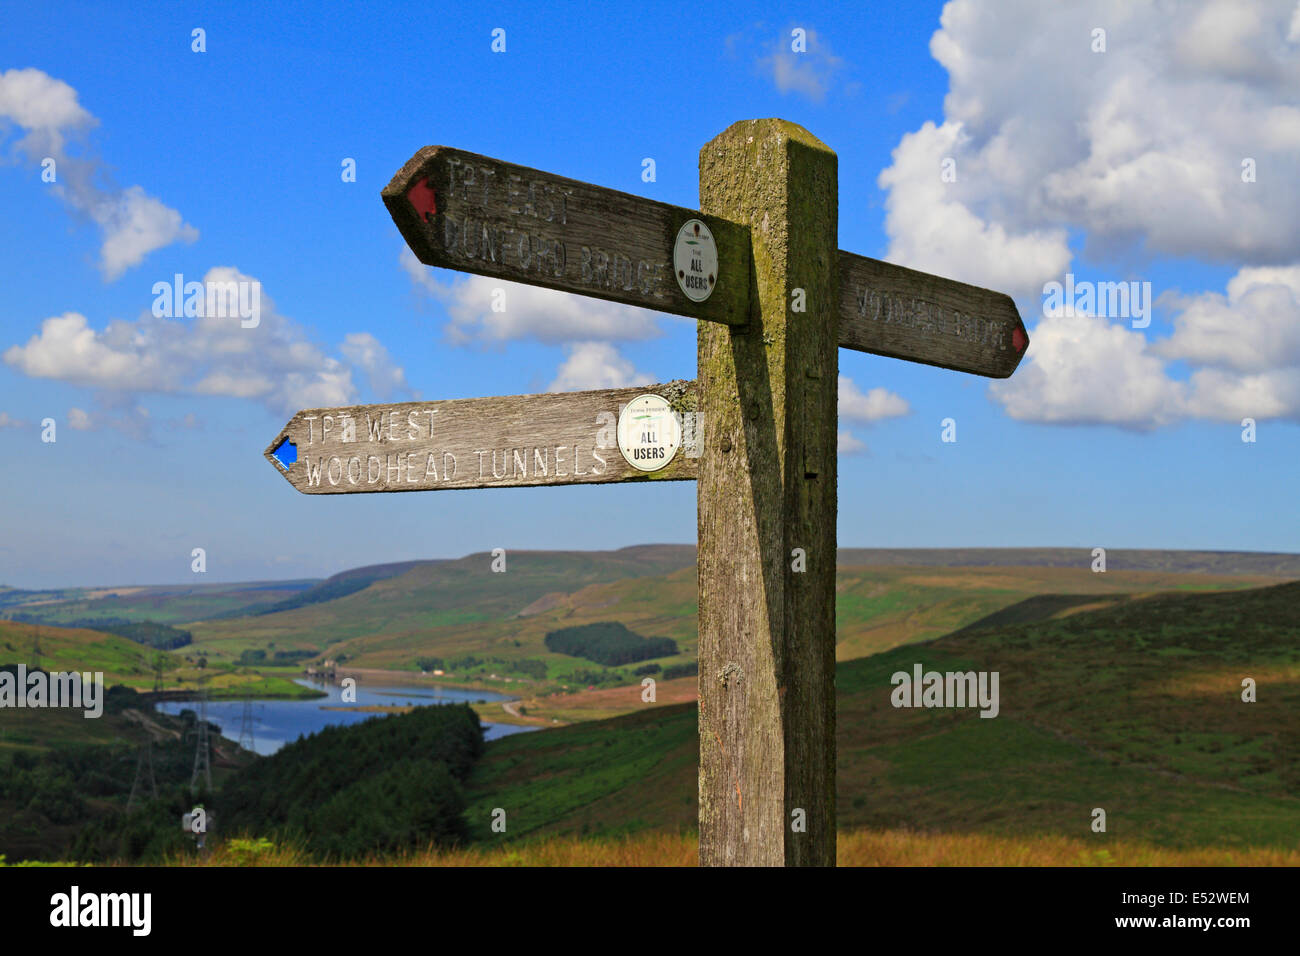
(1121, 164)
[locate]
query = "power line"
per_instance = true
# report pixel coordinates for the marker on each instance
(144, 759)
(246, 740)
(202, 757)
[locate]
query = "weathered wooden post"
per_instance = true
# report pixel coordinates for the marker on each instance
(759, 269)
(766, 505)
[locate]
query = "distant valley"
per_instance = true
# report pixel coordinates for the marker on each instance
(489, 628)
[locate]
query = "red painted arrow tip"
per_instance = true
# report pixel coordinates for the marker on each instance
(421, 198)
(1019, 339)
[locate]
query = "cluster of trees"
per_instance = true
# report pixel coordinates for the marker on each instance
(609, 643)
(252, 658)
(328, 591)
(607, 676)
(42, 788)
(596, 678)
(387, 784)
(69, 802)
(468, 662)
(599, 678)
(530, 666)
(331, 589)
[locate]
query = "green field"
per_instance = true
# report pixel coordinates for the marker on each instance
(126, 662)
(1133, 708)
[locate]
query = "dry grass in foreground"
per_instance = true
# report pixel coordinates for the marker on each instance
(857, 848)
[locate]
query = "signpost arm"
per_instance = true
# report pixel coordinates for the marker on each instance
(766, 487)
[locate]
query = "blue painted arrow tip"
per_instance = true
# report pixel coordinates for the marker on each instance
(286, 453)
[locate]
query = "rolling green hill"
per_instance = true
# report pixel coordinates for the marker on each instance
(1260, 563)
(162, 604)
(126, 662)
(456, 610)
(1135, 708)
(67, 649)
(332, 588)
(451, 608)
(489, 628)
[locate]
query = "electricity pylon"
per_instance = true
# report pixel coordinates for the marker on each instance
(145, 759)
(246, 725)
(202, 759)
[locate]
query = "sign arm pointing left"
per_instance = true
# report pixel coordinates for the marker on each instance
(472, 213)
(559, 438)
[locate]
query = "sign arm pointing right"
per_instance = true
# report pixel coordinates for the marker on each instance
(901, 313)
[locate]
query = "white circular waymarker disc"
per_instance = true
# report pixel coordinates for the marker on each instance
(695, 260)
(648, 433)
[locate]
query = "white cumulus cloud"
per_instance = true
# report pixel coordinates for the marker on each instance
(1177, 140)
(368, 355)
(1082, 369)
(849, 444)
(275, 363)
(932, 230)
(864, 407)
(872, 406)
(596, 365)
(1140, 146)
(1255, 327)
(1242, 349)
(68, 349)
(131, 222)
(810, 72)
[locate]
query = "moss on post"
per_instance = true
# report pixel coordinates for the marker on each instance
(766, 487)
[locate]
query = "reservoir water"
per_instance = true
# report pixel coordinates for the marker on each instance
(278, 722)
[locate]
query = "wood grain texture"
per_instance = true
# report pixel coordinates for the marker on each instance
(890, 310)
(767, 486)
(563, 438)
(511, 222)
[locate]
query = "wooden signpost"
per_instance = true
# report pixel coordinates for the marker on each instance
(759, 267)
(564, 438)
(462, 211)
(911, 315)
